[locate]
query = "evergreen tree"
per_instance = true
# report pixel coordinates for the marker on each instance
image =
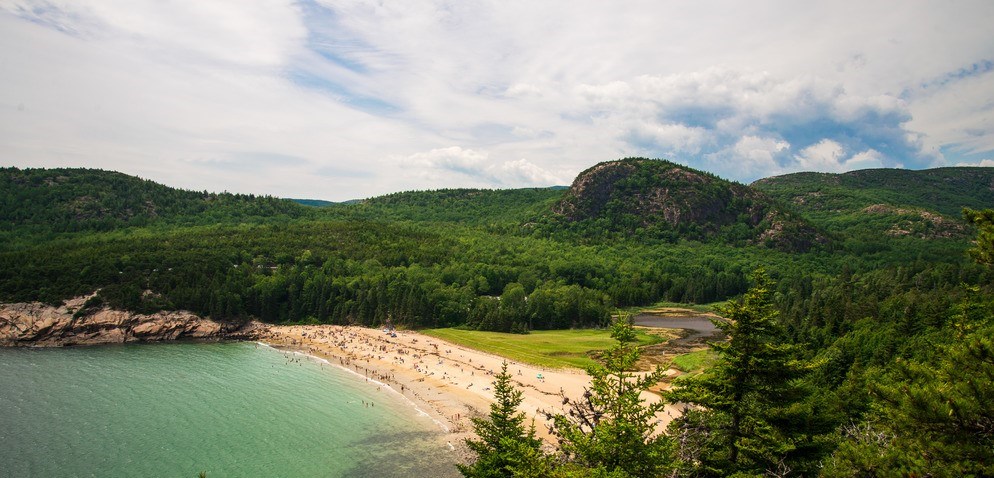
(504, 448)
(739, 414)
(935, 420)
(983, 253)
(935, 416)
(611, 431)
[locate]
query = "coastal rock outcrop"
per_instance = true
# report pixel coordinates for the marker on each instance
(36, 324)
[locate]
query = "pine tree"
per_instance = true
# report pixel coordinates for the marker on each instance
(935, 416)
(504, 448)
(738, 418)
(983, 253)
(932, 418)
(611, 431)
(944, 414)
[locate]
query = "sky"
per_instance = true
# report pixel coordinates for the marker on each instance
(343, 99)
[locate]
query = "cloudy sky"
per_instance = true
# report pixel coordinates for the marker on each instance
(341, 99)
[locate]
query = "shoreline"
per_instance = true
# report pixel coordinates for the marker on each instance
(448, 382)
(443, 424)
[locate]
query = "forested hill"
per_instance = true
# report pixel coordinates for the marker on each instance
(423, 258)
(659, 199)
(70, 200)
(943, 190)
(924, 204)
(314, 202)
(508, 208)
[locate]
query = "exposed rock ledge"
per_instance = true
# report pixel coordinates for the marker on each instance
(41, 325)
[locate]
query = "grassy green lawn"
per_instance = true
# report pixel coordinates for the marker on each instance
(694, 361)
(546, 348)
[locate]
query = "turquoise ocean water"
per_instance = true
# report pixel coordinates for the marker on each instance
(230, 409)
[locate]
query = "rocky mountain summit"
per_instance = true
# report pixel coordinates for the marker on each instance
(923, 205)
(661, 198)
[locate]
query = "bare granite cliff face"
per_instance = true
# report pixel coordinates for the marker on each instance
(668, 199)
(36, 324)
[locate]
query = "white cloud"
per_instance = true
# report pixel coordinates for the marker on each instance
(984, 163)
(477, 167)
(829, 156)
(522, 171)
(826, 155)
(523, 90)
(868, 159)
(744, 124)
(758, 154)
(172, 91)
(959, 117)
(672, 136)
(454, 158)
(259, 33)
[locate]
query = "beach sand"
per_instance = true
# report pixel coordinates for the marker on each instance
(449, 382)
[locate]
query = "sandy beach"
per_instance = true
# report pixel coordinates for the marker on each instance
(449, 382)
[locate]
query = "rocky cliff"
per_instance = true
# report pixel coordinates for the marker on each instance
(661, 198)
(36, 324)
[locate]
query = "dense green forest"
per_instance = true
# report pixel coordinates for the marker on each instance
(492, 259)
(871, 292)
(42, 202)
(898, 405)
